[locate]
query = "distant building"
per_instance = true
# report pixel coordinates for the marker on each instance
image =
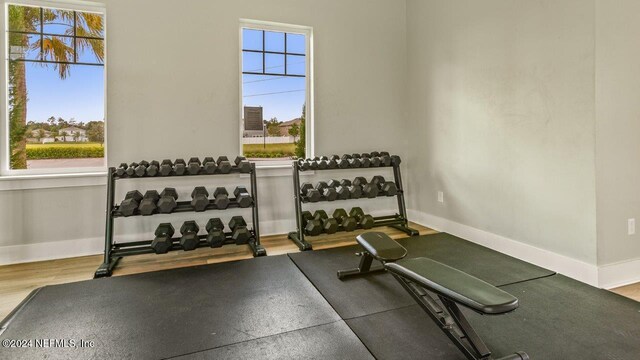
(70, 134)
(285, 126)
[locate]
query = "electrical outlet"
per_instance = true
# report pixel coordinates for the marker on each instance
(631, 226)
(440, 197)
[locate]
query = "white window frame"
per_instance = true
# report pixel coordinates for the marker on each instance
(309, 118)
(5, 164)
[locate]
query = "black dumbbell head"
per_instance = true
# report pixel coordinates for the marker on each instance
(313, 227)
(367, 221)
(189, 239)
(375, 161)
(359, 181)
(209, 165)
(333, 183)
(179, 167)
(330, 226)
(237, 221)
(221, 198)
(385, 160)
(166, 167)
(141, 169)
(122, 169)
(200, 198)
(134, 194)
(215, 232)
(162, 243)
(379, 181)
(395, 160)
(148, 203)
(242, 164)
(339, 214)
(214, 223)
(242, 196)
(240, 190)
(224, 165)
(303, 165)
(194, 166)
(131, 170)
(320, 214)
(374, 153)
(167, 201)
(153, 168)
(305, 187)
(356, 212)
(345, 182)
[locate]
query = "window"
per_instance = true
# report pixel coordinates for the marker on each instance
(55, 102)
(276, 104)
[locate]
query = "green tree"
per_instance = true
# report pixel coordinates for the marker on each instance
(294, 131)
(41, 134)
(54, 48)
(95, 131)
(64, 135)
(76, 136)
(273, 127)
(301, 146)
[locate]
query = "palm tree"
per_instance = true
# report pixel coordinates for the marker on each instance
(54, 48)
(41, 134)
(76, 136)
(64, 135)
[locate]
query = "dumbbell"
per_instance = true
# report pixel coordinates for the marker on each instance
(365, 221)
(130, 203)
(221, 198)
(121, 170)
(347, 222)
(303, 165)
(161, 244)
(375, 161)
(341, 191)
(189, 239)
(243, 198)
(179, 167)
(329, 225)
(385, 159)
(331, 163)
(141, 169)
(224, 166)
(131, 170)
(351, 162)
(194, 166)
(153, 168)
(242, 164)
(368, 189)
(342, 163)
(239, 232)
(166, 167)
(323, 162)
(311, 164)
(215, 232)
(209, 165)
(167, 201)
(148, 203)
(200, 198)
(375, 154)
(325, 190)
(355, 192)
(395, 160)
(311, 226)
(310, 193)
(384, 187)
(365, 161)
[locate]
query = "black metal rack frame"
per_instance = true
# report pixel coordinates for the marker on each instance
(113, 252)
(398, 221)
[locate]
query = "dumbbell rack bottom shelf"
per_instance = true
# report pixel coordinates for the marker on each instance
(144, 247)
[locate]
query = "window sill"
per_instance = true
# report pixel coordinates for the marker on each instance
(28, 182)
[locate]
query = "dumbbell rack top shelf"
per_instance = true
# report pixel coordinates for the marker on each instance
(115, 251)
(398, 221)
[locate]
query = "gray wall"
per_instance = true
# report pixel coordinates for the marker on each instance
(173, 91)
(501, 96)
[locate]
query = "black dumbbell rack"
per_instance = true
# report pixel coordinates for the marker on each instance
(113, 252)
(398, 221)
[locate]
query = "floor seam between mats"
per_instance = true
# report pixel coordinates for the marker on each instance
(526, 280)
(334, 310)
(257, 338)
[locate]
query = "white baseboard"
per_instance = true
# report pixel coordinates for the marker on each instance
(619, 274)
(565, 265)
(16, 254)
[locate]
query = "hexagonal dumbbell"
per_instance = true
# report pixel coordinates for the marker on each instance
(153, 168)
(365, 161)
(313, 165)
(167, 201)
(368, 190)
(224, 165)
(243, 164)
(323, 162)
(243, 198)
(311, 225)
(303, 165)
(166, 167)
(343, 163)
(194, 166)
(131, 170)
(355, 192)
(148, 204)
(239, 231)
(141, 169)
(130, 203)
(354, 162)
(341, 191)
(209, 165)
(347, 222)
(162, 243)
(375, 161)
(365, 221)
(215, 232)
(329, 225)
(311, 194)
(200, 198)
(331, 163)
(221, 198)
(384, 187)
(189, 239)
(121, 170)
(326, 191)
(385, 159)
(179, 167)
(395, 160)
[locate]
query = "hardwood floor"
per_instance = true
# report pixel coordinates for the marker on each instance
(17, 281)
(631, 291)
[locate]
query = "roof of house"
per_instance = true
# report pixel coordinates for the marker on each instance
(72, 129)
(291, 122)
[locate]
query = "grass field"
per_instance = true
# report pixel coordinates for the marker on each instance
(62, 150)
(271, 150)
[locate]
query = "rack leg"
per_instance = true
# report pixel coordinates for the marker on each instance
(406, 229)
(303, 245)
(106, 269)
(258, 250)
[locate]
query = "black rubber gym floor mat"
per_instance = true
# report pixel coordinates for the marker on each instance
(558, 318)
(170, 313)
(330, 341)
(376, 292)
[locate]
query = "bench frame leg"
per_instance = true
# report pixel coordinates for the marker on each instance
(364, 268)
(452, 322)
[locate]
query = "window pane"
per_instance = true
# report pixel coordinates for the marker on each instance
(58, 22)
(251, 62)
(274, 63)
(90, 51)
(296, 44)
(22, 46)
(274, 41)
(24, 18)
(57, 48)
(251, 39)
(89, 24)
(296, 65)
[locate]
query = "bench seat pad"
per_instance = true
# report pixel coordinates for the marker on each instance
(381, 246)
(455, 285)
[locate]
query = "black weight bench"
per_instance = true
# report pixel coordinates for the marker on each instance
(438, 289)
